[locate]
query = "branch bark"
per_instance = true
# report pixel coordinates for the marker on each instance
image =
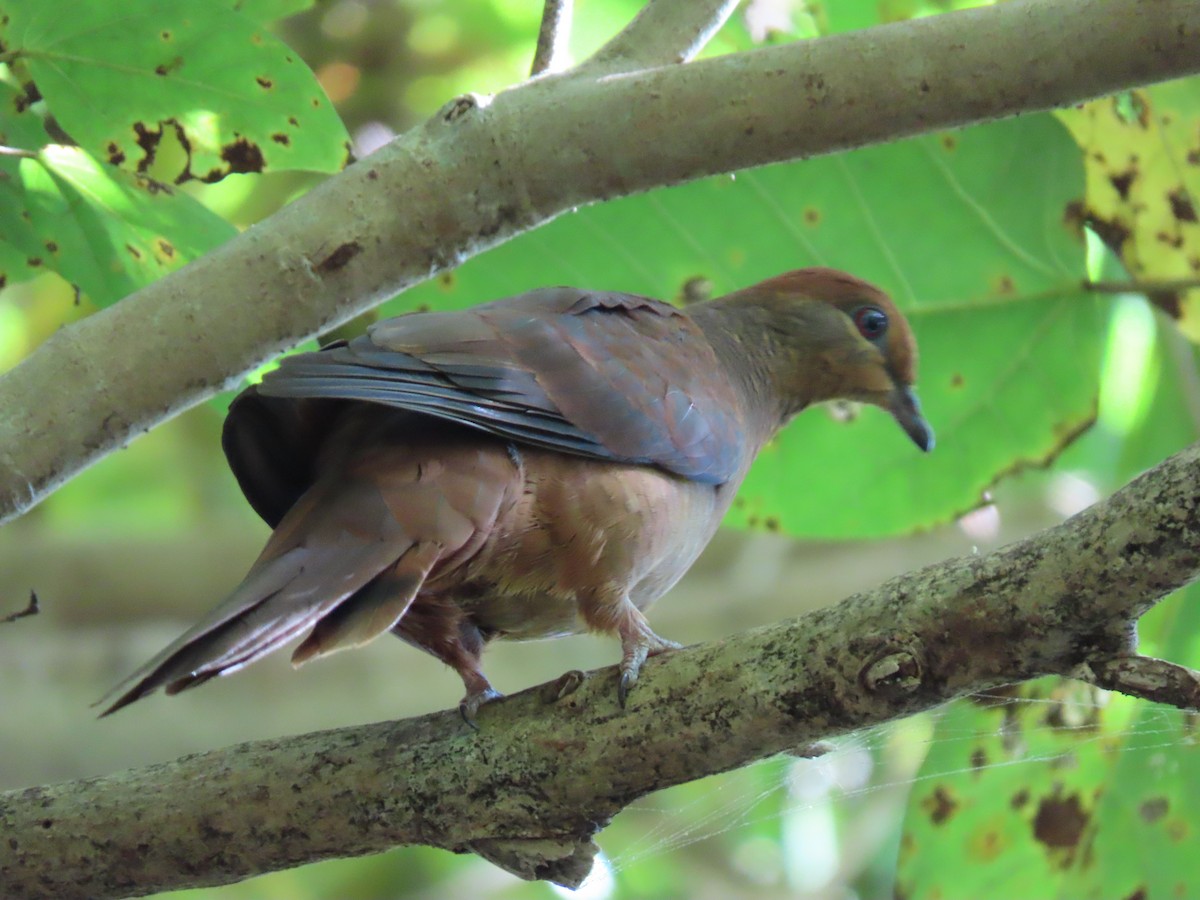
(550, 766)
(484, 170)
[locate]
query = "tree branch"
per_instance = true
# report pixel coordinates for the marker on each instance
(480, 172)
(31, 609)
(663, 33)
(1145, 677)
(550, 766)
(553, 36)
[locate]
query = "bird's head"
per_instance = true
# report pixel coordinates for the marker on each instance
(819, 334)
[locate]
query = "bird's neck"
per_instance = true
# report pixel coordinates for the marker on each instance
(751, 353)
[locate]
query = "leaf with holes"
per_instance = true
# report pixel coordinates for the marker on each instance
(195, 74)
(1005, 804)
(20, 127)
(1143, 187)
(1145, 807)
(1054, 789)
(106, 231)
(21, 252)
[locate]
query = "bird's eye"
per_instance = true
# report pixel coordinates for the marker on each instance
(872, 323)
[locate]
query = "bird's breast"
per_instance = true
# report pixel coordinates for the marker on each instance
(584, 536)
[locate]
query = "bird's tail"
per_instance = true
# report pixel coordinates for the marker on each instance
(339, 564)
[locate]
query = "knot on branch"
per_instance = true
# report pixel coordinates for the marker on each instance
(565, 861)
(463, 105)
(812, 750)
(893, 672)
(564, 686)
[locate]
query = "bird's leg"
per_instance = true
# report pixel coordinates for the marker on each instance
(479, 692)
(442, 630)
(638, 641)
(465, 657)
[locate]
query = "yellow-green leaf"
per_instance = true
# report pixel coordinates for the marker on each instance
(1142, 152)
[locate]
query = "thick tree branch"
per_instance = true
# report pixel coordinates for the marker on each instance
(550, 766)
(483, 171)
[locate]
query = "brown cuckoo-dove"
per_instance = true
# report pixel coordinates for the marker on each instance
(536, 466)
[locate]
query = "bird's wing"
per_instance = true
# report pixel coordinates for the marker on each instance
(603, 375)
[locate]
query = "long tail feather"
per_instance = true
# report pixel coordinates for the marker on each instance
(326, 549)
(374, 611)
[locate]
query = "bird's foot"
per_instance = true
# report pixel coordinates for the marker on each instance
(469, 705)
(637, 643)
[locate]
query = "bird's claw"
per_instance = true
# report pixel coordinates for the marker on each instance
(470, 704)
(636, 653)
(623, 686)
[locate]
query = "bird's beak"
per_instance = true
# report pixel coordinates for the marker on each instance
(903, 404)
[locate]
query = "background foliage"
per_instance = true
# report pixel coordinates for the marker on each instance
(140, 135)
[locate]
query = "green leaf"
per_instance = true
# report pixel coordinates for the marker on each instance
(14, 264)
(270, 10)
(106, 231)
(970, 234)
(855, 15)
(121, 77)
(19, 126)
(20, 250)
(1007, 799)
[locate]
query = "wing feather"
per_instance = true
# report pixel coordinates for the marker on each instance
(608, 376)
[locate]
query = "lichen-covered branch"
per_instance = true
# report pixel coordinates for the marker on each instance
(482, 171)
(550, 766)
